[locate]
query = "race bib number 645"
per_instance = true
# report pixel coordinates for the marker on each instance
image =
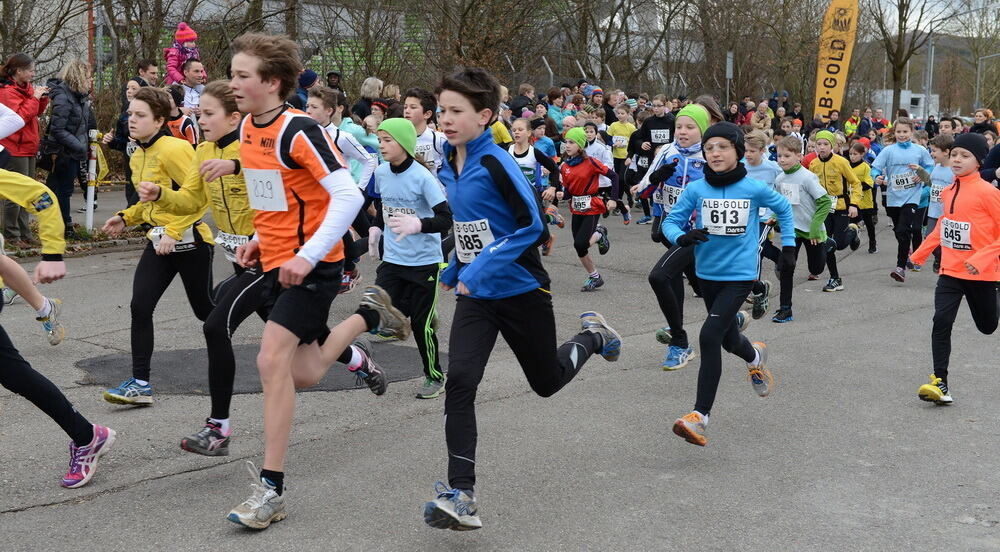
(956, 234)
(725, 217)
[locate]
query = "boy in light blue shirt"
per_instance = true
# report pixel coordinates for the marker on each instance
(414, 213)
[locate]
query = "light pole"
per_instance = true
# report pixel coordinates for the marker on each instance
(929, 84)
(979, 63)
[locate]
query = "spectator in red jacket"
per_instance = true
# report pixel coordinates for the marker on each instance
(28, 101)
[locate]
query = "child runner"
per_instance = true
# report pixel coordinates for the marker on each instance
(177, 245)
(673, 168)
(841, 183)
(892, 169)
(580, 175)
(498, 225)
(179, 123)
(810, 207)
(419, 107)
(304, 200)
(866, 206)
(638, 165)
(414, 214)
(726, 239)
(941, 177)
(969, 237)
(766, 171)
(531, 161)
(89, 441)
(598, 149)
(620, 131)
(659, 128)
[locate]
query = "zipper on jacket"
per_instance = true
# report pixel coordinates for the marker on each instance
(958, 184)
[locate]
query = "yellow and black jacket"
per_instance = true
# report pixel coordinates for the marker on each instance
(837, 176)
(164, 160)
(39, 201)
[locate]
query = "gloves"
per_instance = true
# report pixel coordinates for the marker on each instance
(787, 260)
(374, 235)
(662, 174)
(693, 237)
(404, 225)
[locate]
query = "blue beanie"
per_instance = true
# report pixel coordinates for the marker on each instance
(307, 78)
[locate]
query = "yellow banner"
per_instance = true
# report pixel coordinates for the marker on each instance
(836, 43)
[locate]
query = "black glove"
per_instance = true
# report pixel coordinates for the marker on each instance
(787, 259)
(4, 158)
(662, 174)
(693, 237)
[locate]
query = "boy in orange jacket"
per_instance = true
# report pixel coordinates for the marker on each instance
(969, 235)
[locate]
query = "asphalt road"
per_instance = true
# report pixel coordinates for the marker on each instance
(842, 455)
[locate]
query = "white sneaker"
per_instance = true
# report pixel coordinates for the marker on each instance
(264, 506)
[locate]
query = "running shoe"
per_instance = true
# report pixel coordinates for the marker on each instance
(264, 506)
(452, 509)
(813, 277)
(856, 240)
(83, 460)
(391, 321)
(692, 428)
(383, 337)
(936, 392)
(209, 440)
(9, 296)
(130, 392)
(50, 324)
(554, 217)
(758, 374)
(872, 249)
(604, 243)
(917, 268)
(548, 245)
(349, 281)
(782, 315)
(369, 373)
(626, 217)
(645, 219)
(677, 358)
(909, 263)
(834, 284)
(663, 335)
(742, 320)
(898, 274)
(591, 283)
(430, 389)
(611, 341)
(760, 301)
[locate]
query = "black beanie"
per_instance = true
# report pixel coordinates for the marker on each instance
(974, 144)
(535, 123)
(730, 132)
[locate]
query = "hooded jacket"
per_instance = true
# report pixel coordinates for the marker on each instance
(21, 100)
(968, 231)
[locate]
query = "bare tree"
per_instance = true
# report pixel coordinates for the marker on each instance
(40, 29)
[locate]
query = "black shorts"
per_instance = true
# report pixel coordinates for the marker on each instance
(304, 309)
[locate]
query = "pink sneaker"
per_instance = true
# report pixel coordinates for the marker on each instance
(83, 460)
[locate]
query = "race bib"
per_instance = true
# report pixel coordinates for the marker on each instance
(229, 242)
(529, 173)
(668, 197)
(659, 136)
(833, 203)
(156, 233)
(936, 193)
(421, 150)
(903, 181)
(266, 189)
(619, 141)
(581, 203)
(643, 162)
(791, 192)
(956, 234)
(470, 239)
(725, 217)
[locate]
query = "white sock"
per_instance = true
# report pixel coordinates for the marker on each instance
(595, 274)
(46, 308)
(224, 423)
(142, 382)
(356, 359)
(756, 357)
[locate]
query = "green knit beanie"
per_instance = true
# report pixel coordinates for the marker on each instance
(826, 135)
(696, 112)
(402, 132)
(577, 135)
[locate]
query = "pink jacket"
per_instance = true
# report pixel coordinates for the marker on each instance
(175, 58)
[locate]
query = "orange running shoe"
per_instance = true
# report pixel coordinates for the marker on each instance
(692, 428)
(557, 219)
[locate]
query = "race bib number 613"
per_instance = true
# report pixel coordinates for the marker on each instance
(725, 217)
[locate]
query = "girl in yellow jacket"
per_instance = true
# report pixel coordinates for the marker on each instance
(243, 293)
(177, 244)
(836, 175)
(866, 205)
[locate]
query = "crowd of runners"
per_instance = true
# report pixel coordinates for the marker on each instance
(465, 187)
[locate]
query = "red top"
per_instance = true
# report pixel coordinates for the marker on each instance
(21, 100)
(582, 180)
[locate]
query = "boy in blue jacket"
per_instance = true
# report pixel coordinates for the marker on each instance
(500, 282)
(726, 240)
